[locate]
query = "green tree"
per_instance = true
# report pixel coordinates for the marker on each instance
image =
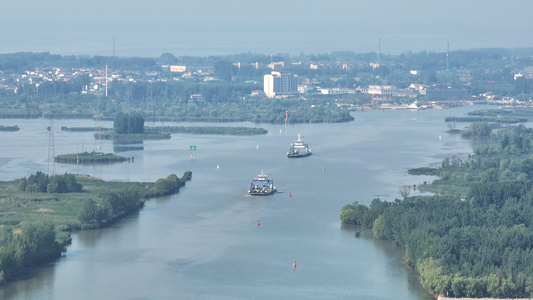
(379, 227)
(125, 123)
(90, 213)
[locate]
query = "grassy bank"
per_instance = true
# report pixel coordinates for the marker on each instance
(35, 226)
(63, 208)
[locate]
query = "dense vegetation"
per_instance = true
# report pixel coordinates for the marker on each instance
(27, 245)
(129, 127)
(44, 183)
(474, 238)
(208, 130)
(126, 123)
(84, 158)
(84, 129)
(225, 130)
(130, 137)
(38, 212)
(169, 101)
(486, 119)
(9, 128)
(171, 184)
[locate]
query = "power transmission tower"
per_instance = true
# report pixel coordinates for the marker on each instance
(447, 57)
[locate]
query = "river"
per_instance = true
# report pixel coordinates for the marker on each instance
(204, 242)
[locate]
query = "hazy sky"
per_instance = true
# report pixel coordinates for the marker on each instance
(209, 27)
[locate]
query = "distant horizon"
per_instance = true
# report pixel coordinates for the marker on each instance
(206, 27)
(117, 47)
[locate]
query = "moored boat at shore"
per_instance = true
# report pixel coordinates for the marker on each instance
(299, 148)
(262, 185)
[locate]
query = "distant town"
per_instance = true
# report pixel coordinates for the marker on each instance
(352, 81)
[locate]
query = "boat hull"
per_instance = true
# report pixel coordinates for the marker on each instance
(299, 149)
(290, 155)
(261, 194)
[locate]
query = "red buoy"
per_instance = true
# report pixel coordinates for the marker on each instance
(290, 195)
(324, 170)
(258, 223)
(294, 264)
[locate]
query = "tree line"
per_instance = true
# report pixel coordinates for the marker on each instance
(477, 239)
(126, 123)
(44, 183)
(113, 205)
(27, 240)
(28, 245)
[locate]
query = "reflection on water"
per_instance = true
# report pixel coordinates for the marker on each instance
(124, 146)
(35, 284)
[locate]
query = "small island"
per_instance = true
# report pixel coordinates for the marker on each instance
(85, 129)
(224, 130)
(86, 158)
(162, 132)
(129, 127)
(9, 128)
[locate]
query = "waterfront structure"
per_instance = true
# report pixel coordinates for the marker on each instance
(280, 84)
(337, 91)
(382, 90)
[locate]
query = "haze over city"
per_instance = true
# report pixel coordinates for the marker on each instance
(207, 27)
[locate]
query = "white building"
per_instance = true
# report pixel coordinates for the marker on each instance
(280, 84)
(337, 91)
(383, 90)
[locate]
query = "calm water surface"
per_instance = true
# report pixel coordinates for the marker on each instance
(204, 242)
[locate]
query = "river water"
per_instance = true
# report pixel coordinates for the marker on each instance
(204, 242)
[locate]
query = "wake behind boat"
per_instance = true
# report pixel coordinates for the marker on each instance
(262, 186)
(299, 148)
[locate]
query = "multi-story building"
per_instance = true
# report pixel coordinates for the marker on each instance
(382, 90)
(280, 84)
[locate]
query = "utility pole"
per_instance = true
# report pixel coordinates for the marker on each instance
(379, 51)
(447, 57)
(106, 81)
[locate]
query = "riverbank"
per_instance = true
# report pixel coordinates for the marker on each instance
(35, 223)
(448, 298)
(212, 223)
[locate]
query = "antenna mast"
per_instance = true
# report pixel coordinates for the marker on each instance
(106, 81)
(114, 56)
(379, 50)
(447, 57)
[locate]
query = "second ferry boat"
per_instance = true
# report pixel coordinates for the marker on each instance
(299, 148)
